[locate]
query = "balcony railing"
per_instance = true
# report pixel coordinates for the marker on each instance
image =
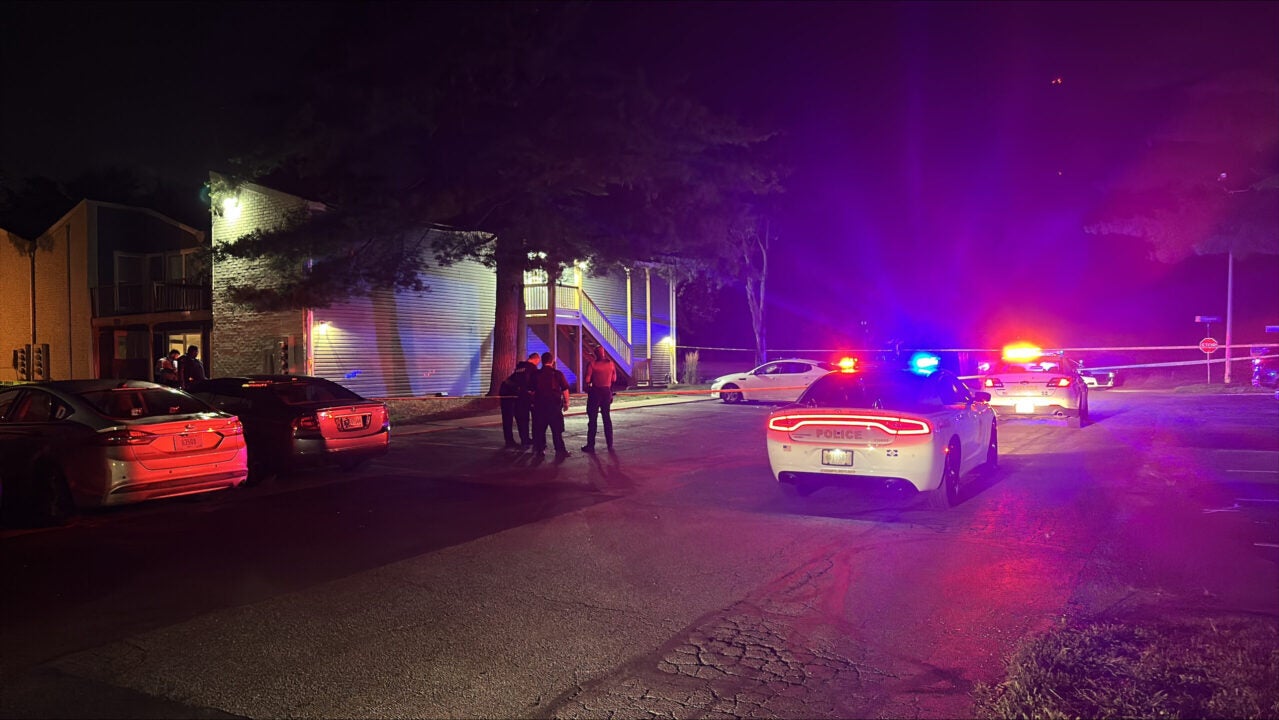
(149, 297)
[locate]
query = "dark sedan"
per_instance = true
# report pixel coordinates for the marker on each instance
(295, 421)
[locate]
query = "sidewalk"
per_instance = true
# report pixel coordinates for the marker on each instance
(491, 418)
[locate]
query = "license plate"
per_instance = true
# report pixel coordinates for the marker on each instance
(352, 422)
(1024, 407)
(838, 457)
(189, 442)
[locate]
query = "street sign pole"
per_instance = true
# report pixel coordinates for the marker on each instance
(1208, 346)
(1207, 321)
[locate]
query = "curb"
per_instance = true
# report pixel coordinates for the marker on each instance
(495, 419)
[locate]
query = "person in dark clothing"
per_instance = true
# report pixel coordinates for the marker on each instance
(524, 404)
(517, 398)
(190, 369)
(550, 400)
(600, 376)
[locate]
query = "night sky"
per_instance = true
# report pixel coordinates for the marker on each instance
(941, 179)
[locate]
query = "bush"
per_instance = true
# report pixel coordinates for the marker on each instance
(688, 374)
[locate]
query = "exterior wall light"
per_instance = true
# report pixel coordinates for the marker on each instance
(231, 208)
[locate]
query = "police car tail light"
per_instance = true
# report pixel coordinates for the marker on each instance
(889, 424)
(992, 383)
(1059, 382)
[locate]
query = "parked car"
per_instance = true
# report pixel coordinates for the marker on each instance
(776, 381)
(72, 444)
(1098, 379)
(1031, 383)
(1265, 372)
(923, 428)
(294, 421)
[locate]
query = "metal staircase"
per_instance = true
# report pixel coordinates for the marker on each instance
(575, 309)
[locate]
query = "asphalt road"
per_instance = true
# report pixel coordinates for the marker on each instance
(457, 579)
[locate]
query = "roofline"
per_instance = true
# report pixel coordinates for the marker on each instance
(265, 190)
(118, 206)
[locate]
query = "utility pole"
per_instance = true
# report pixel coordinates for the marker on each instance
(1230, 298)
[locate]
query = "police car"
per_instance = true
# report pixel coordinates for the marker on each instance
(1029, 382)
(920, 426)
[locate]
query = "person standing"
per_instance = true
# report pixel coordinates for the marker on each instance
(600, 376)
(524, 403)
(516, 401)
(190, 369)
(550, 400)
(166, 370)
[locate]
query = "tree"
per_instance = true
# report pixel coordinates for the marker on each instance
(31, 206)
(1208, 183)
(533, 159)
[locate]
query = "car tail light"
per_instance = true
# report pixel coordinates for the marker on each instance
(235, 427)
(992, 383)
(1059, 382)
(889, 424)
(125, 436)
(306, 422)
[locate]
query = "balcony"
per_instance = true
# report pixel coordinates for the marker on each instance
(149, 297)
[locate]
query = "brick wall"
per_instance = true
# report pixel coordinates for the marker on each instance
(244, 341)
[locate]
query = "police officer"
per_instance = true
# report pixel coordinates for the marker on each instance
(517, 393)
(550, 400)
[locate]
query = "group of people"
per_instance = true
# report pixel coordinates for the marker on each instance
(178, 370)
(536, 396)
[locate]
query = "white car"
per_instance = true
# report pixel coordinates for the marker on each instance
(776, 381)
(928, 430)
(1046, 386)
(1099, 379)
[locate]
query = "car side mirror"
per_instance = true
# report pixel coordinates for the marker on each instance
(981, 396)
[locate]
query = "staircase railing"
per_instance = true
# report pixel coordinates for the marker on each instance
(575, 303)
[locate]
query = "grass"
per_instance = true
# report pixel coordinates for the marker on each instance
(407, 411)
(1201, 669)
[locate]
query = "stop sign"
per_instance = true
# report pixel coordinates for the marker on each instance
(1208, 345)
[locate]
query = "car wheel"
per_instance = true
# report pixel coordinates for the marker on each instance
(260, 471)
(946, 494)
(1080, 418)
(51, 501)
(992, 450)
(730, 398)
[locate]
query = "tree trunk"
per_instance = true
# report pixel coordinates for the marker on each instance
(506, 313)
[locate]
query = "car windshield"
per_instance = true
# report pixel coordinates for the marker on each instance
(301, 392)
(132, 403)
(879, 391)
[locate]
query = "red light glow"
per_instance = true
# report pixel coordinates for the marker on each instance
(889, 424)
(1021, 352)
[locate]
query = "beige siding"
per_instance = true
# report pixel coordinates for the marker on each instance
(61, 298)
(15, 300)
